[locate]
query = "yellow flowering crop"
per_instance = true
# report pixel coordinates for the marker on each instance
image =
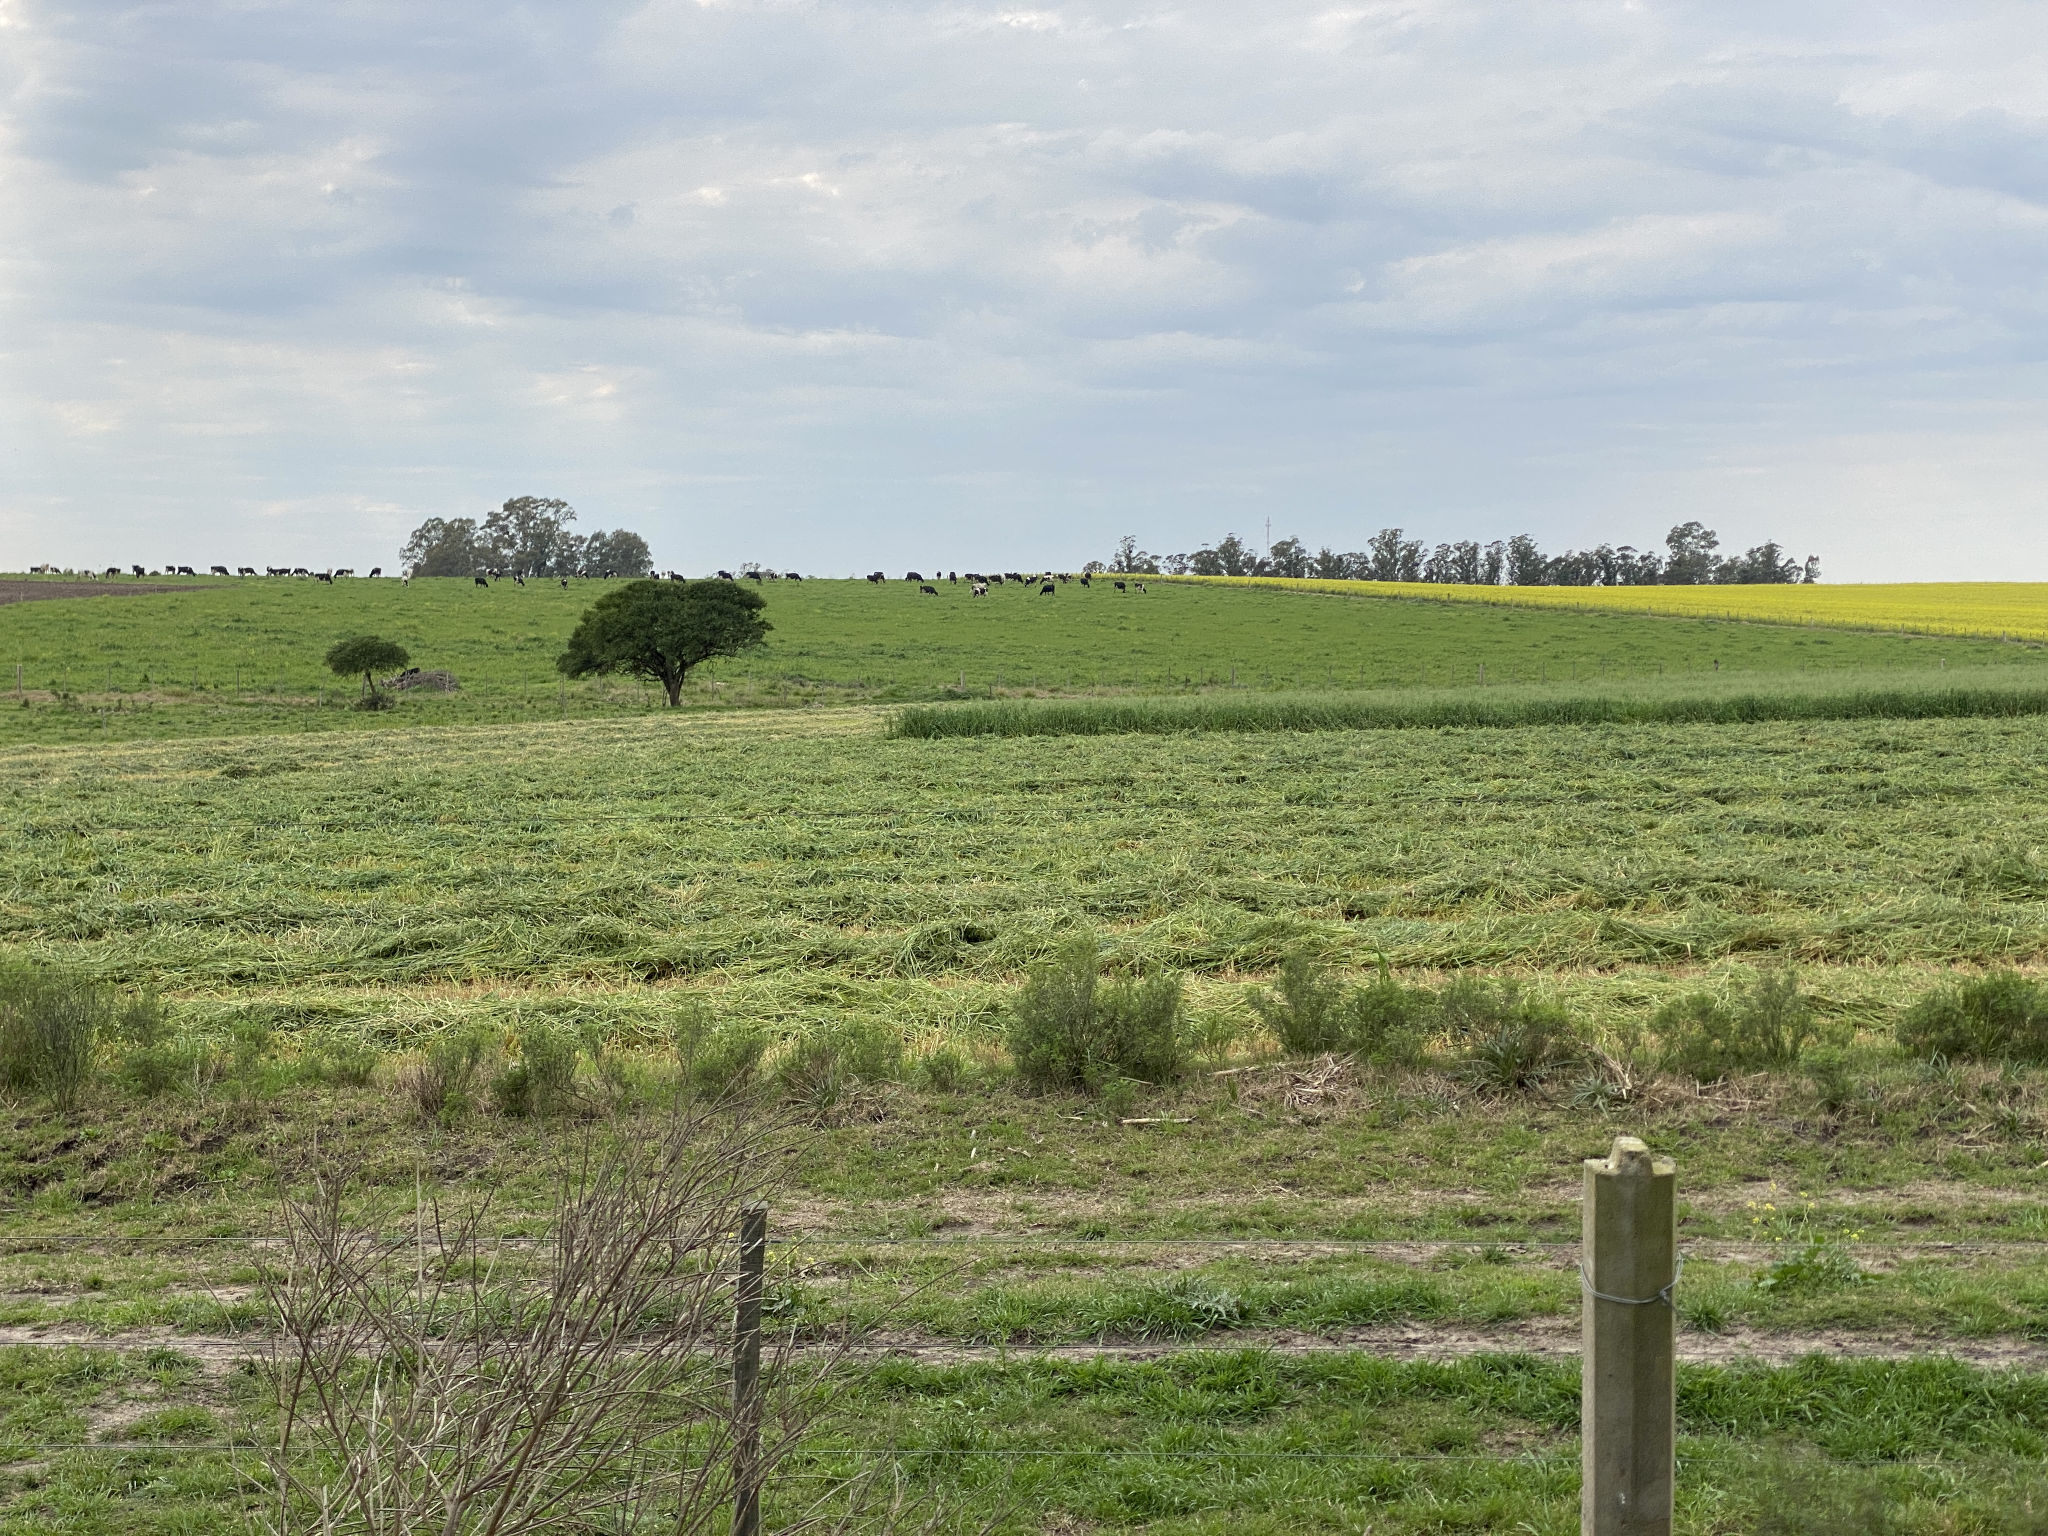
(2014, 609)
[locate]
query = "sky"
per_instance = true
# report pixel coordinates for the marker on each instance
(845, 286)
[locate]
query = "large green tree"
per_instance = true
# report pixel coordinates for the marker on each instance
(530, 535)
(660, 629)
(618, 553)
(444, 546)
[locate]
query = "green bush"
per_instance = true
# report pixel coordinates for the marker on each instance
(1770, 1026)
(1387, 1018)
(250, 1041)
(1504, 1039)
(1069, 1029)
(724, 1060)
(51, 1023)
(943, 1068)
(150, 1059)
(2000, 1017)
(1306, 1008)
(440, 1081)
(1310, 1012)
(543, 1080)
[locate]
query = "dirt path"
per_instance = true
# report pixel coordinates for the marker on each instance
(1556, 1338)
(44, 591)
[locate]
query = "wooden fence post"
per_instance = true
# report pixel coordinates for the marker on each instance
(746, 1373)
(1628, 1404)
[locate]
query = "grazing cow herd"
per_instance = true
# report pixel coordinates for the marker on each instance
(978, 583)
(139, 572)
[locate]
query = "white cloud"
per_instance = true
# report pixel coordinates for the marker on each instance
(807, 283)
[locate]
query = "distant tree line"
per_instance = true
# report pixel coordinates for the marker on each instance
(1690, 558)
(528, 536)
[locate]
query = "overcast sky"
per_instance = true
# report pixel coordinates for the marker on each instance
(836, 286)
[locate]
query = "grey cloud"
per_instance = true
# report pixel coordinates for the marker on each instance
(858, 277)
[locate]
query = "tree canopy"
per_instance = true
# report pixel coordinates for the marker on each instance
(1519, 561)
(527, 536)
(660, 629)
(367, 654)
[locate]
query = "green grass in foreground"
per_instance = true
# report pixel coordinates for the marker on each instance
(1195, 1443)
(1937, 695)
(238, 658)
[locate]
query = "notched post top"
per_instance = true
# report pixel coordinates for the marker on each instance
(1630, 1159)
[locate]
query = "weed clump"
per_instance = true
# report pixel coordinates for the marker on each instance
(1310, 1012)
(439, 1083)
(342, 1060)
(713, 1059)
(825, 1066)
(2000, 1017)
(150, 1059)
(542, 1081)
(943, 1069)
(1070, 1029)
(1505, 1039)
(1705, 1038)
(51, 1023)
(1305, 1008)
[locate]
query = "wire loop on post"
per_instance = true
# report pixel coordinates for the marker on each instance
(1664, 1295)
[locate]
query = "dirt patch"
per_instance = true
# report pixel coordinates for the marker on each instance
(43, 591)
(216, 1354)
(1553, 1337)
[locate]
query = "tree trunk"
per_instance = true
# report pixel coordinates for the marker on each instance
(674, 685)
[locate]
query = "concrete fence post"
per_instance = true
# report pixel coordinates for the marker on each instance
(746, 1373)
(1628, 1405)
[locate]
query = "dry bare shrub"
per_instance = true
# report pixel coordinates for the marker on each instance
(1325, 1082)
(430, 1377)
(437, 1083)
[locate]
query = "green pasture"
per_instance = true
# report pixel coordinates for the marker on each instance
(1210, 1441)
(244, 657)
(527, 856)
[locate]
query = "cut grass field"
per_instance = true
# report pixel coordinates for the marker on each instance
(245, 658)
(1391, 1241)
(2016, 610)
(800, 867)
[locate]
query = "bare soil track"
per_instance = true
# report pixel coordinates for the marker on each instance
(1551, 1337)
(43, 591)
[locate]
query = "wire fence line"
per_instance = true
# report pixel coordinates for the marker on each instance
(1563, 1455)
(12, 1245)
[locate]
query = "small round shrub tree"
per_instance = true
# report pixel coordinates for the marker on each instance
(368, 655)
(660, 629)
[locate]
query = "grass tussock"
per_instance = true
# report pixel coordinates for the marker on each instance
(1919, 697)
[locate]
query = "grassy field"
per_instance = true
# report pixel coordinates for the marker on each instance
(805, 865)
(1338, 1294)
(2013, 610)
(231, 658)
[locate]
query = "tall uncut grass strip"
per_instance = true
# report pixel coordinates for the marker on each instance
(1466, 708)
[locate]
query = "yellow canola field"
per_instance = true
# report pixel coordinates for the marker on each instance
(2002, 609)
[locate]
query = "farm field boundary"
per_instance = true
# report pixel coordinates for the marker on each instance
(1930, 696)
(2009, 610)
